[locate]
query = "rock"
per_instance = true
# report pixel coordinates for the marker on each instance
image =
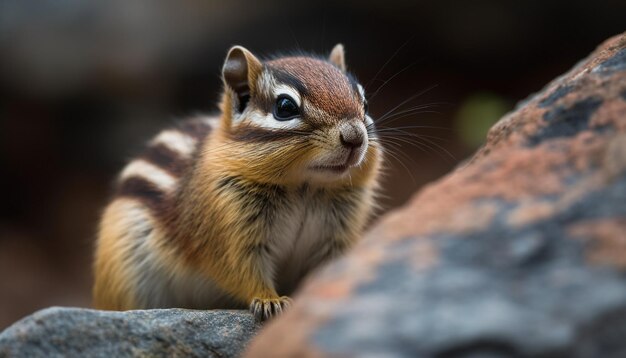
(77, 332)
(519, 252)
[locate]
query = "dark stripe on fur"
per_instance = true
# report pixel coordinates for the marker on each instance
(145, 191)
(167, 159)
(290, 80)
(262, 200)
(354, 83)
(253, 134)
(195, 128)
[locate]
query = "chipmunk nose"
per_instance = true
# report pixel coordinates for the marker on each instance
(350, 136)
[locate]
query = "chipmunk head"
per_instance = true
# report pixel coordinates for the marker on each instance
(295, 119)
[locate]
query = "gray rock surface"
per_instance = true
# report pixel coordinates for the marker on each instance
(77, 332)
(520, 252)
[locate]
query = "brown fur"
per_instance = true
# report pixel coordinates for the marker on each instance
(246, 220)
(327, 87)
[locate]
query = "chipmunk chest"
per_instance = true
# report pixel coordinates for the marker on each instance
(307, 225)
(287, 225)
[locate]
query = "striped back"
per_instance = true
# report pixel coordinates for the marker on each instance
(154, 177)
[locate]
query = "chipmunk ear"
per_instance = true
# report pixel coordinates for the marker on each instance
(337, 57)
(240, 71)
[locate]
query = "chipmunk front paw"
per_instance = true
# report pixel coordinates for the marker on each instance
(266, 308)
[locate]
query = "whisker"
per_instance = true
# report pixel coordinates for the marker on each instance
(391, 78)
(389, 60)
(405, 102)
(401, 133)
(392, 154)
(408, 112)
(417, 127)
(428, 144)
(394, 117)
(402, 136)
(398, 145)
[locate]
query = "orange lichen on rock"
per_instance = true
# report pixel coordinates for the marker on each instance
(606, 239)
(519, 229)
(508, 175)
(530, 211)
(294, 342)
(615, 156)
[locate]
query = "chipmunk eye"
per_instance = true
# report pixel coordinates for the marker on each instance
(285, 108)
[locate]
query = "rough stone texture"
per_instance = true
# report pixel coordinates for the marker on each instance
(519, 252)
(76, 332)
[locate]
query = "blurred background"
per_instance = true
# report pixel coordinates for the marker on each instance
(83, 84)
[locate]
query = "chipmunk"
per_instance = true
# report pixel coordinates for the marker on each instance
(232, 211)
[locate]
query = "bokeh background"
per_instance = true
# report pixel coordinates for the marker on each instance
(83, 84)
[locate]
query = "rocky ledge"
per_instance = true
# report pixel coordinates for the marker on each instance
(77, 332)
(520, 252)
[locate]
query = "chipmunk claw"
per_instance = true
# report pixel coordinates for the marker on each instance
(266, 308)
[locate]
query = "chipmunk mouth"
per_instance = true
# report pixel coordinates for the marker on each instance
(337, 169)
(351, 161)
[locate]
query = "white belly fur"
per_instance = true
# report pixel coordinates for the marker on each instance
(295, 240)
